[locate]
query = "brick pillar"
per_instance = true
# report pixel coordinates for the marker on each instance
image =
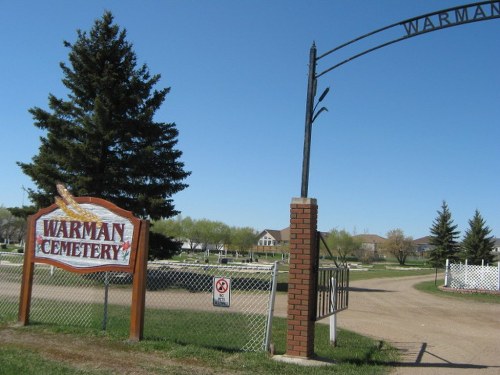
(302, 277)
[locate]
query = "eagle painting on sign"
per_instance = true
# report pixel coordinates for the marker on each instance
(84, 235)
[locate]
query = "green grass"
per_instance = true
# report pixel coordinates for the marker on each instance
(27, 362)
(378, 272)
(373, 271)
(10, 248)
(430, 287)
(170, 334)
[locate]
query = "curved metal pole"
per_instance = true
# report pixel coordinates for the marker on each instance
(411, 26)
(311, 92)
(444, 23)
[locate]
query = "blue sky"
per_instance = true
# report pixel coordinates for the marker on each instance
(408, 126)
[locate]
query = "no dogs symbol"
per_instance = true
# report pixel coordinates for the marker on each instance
(222, 292)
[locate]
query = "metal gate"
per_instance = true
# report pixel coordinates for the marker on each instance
(332, 288)
(332, 293)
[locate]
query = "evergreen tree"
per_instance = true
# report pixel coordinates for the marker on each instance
(103, 141)
(162, 246)
(443, 238)
(477, 244)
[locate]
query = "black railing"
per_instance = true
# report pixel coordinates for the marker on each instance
(332, 288)
(332, 291)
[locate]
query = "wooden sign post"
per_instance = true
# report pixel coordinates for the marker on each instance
(86, 235)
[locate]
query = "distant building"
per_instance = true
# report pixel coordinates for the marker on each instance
(272, 237)
(422, 245)
(496, 249)
(371, 242)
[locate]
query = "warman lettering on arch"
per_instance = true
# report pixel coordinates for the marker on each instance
(452, 17)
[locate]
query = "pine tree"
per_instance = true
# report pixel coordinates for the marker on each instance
(102, 141)
(443, 238)
(477, 244)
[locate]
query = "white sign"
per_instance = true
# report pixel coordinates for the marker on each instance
(84, 243)
(84, 233)
(222, 292)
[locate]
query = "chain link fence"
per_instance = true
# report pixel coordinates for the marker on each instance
(179, 301)
(189, 292)
(11, 270)
(68, 298)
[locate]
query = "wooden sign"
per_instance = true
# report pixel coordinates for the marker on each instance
(84, 235)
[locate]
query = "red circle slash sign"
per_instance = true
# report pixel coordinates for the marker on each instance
(221, 286)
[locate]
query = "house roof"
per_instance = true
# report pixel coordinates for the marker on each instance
(285, 234)
(278, 235)
(422, 240)
(370, 238)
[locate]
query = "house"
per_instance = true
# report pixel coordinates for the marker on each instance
(272, 237)
(496, 249)
(371, 242)
(422, 244)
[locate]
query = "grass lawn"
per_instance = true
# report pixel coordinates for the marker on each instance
(384, 270)
(430, 287)
(173, 345)
(11, 248)
(56, 349)
(373, 271)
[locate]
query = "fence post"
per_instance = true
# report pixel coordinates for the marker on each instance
(106, 290)
(481, 282)
(139, 285)
(446, 271)
(27, 280)
(466, 281)
(270, 314)
(498, 280)
(333, 317)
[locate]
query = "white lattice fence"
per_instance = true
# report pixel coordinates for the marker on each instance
(466, 276)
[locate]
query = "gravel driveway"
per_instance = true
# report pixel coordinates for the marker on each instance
(437, 335)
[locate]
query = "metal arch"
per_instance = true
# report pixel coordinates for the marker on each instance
(411, 26)
(494, 13)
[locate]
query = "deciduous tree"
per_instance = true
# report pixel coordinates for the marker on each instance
(399, 245)
(12, 227)
(243, 239)
(342, 244)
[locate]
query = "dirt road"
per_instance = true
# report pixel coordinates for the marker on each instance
(442, 336)
(436, 335)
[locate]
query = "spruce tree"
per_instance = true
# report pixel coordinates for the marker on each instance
(102, 140)
(443, 238)
(477, 244)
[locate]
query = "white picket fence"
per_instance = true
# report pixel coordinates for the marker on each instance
(466, 276)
